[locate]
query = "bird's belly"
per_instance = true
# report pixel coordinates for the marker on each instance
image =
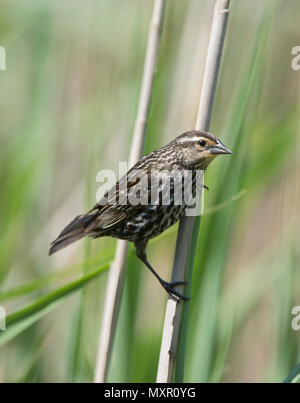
(151, 220)
(149, 223)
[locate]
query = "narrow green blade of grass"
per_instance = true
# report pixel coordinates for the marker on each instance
(47, 280)
(41, 306)
(294, 376)
(25, 317)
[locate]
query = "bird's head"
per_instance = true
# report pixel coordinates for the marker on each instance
(196, 149)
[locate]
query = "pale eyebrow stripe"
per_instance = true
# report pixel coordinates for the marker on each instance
(185, 140)
(192, 139)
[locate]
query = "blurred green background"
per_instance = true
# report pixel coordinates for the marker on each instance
(68, 104)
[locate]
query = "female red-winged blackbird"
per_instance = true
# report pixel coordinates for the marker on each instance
(118, 214)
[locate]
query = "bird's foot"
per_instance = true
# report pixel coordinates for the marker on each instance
(174, 283)
(170, 290)
(205, 187)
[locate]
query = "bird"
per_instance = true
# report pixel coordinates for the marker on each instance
(131, 210)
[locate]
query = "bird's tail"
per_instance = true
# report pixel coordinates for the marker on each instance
(73, 232)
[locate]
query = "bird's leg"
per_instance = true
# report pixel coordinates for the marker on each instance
(141, 253)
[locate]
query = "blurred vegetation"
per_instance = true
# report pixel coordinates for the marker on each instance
(68, 105)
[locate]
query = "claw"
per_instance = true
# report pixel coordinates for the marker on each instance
(173, 293)
(173, 283)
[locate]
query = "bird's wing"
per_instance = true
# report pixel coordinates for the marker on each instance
(116, 206)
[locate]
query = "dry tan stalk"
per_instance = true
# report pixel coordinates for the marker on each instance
(185, 233)
(116, 273)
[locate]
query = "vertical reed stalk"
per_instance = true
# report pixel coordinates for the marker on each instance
(116, 273)
(189, 226)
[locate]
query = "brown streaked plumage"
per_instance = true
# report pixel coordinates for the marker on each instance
(192, 150)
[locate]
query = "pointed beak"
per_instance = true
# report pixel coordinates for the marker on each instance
(220, 149)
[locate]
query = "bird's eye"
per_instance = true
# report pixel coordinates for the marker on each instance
(202, 143)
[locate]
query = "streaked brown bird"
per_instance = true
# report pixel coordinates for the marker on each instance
(116, 214)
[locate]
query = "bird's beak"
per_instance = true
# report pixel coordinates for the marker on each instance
(220, 149)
